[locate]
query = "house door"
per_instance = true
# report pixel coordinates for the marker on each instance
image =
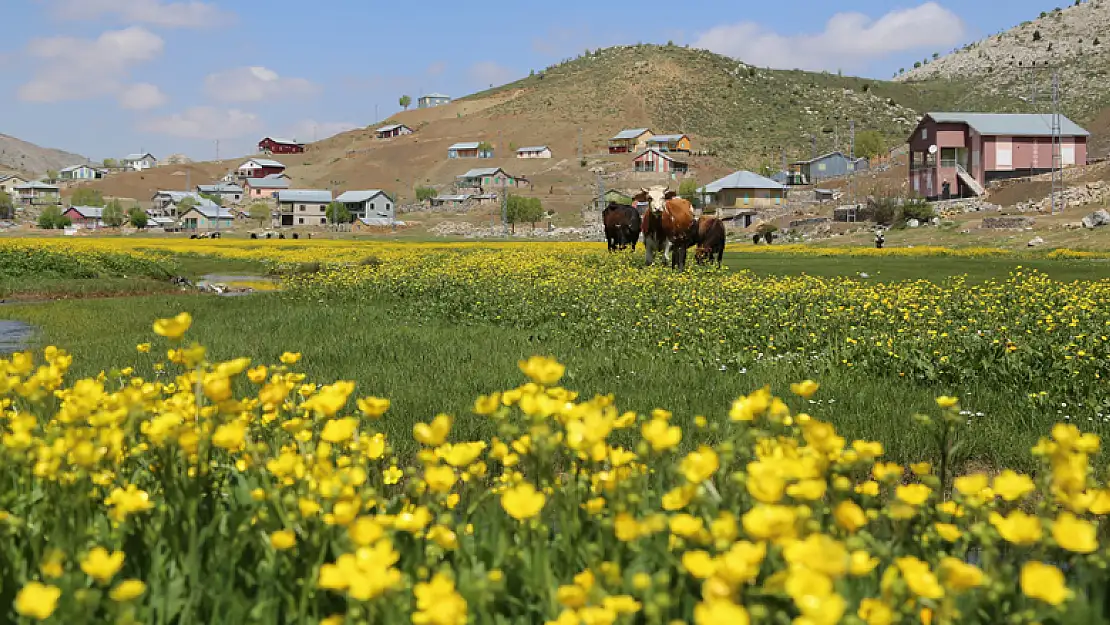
(1067, 154)
(1004, 155)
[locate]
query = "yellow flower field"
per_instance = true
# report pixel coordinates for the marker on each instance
(240, 491)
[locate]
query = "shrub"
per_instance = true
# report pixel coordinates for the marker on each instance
(51, 218)
(917, 209)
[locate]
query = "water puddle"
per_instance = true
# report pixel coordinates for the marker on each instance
(228, 285)
(15, 336)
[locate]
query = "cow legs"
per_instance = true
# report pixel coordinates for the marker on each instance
(650, 247)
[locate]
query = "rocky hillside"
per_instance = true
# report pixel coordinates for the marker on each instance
(1006, 69)
(745, 114)
(19, 155)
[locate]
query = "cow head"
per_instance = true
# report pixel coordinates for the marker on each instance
(657, 198)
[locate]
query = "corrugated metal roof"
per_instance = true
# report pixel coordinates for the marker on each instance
(1011, 124)
(284, 141)
(663, 155)
(481, 171)
(89, 212)
(162, 221)
(136, 157)
(452, 198)
(631, 133)
(219, 188)
(72, 168)
(36, 184)
(357, 197)
(740, 180)
(665, 138)
(468, 145)
(262, 162)
(315, 196)
(267, 183)
(436, 95)
(534, 148)
(821, 158)
(391, 127)
(212, 211)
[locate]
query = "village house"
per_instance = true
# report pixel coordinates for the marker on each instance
(538, 151)
(139, 162)
(37, 193)
(613, 195)
(274, 145)
(482, 179)
(654, 161)
(432, 100)
(393, 130)
(302, 207)
(165, 203)
(484, 199)
(8, 183)
(368, 204)
(208, 217)
(165, 224)
(228, 193)
(670, 143)
(831, 165)
(959, 154)
(469, 149)
(450, 200)
(260, 168)
(630, 140)
(86, 216)
(743, 190)
(79, 172)
(264, 188)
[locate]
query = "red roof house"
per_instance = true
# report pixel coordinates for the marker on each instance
(272, 145)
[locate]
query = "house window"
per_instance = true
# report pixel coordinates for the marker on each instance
(323, 220)
(302, 208)
(924, 134)
(371, 206)
(300, 220)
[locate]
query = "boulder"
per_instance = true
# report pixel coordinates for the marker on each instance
(1035, 241)
(1008, 223)
(1096, 219)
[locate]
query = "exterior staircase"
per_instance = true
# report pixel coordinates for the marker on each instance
(969, 180)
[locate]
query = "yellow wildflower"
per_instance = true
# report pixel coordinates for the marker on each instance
(1044, 582)
(101, 565)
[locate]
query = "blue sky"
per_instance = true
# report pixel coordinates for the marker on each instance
(108, 77)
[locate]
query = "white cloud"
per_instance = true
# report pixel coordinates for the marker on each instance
(187, 14)
(79, 69)
(142, 97)
(254, 84)
(312, 130)
(488, 73)
(204, 122)
(850, 40)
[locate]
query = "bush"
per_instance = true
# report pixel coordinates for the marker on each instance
(52, 218)
(423, 194)
(917, 209)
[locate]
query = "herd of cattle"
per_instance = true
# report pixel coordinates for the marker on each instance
(668, 226)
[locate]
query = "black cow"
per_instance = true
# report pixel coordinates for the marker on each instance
(622, 226)
(711, 240)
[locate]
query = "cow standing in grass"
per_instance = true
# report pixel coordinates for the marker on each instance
(710, 240)
(622, 226)
(667, 225)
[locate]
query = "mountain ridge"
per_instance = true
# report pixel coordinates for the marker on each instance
(27, 158)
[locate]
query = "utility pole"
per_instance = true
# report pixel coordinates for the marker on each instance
(579, 144)
(1057, 147)
(600, 191)
(504, 205)
(851, 160)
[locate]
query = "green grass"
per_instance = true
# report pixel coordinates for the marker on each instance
(442, 367)
(892, 268)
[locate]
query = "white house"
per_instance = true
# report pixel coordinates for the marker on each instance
(368, 204)
(165, 203)
(79, 172)
(260, 168)
(302, 207)
(8, 183)
(139, 162)
(228, 193)
(538, 151)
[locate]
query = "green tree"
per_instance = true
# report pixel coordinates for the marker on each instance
(869, 144)
(522, 209)
(111, 163)
(137, 217)
(260, 212)
(185, 205)
(214, 198)
(87, 197)
(688, 190)
(338, 214)
(485, 147)
(113, 214)
(405, 102)
(51, 218)
(423, 194)
(7, 207)
(51, 175)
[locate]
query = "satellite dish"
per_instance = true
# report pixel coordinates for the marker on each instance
(932, 149)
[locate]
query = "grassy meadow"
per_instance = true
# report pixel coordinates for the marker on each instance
(568, 438)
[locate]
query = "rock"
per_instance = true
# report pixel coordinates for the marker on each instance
(935, 221)
(913, 223)
(1007, 223)
(1035, 241)
(1096, 219)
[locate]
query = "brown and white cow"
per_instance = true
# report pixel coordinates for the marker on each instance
(667, 225)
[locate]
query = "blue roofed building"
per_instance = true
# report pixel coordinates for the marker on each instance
(630, 140)
(743, 189)
(432, 100)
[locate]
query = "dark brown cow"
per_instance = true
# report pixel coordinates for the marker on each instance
(622, 226)
(711, 240)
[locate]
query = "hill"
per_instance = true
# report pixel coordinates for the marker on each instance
(1010, 70)
(19, 155)
(738, 116)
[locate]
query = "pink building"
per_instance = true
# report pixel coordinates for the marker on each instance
(652, 160)
(961, 153)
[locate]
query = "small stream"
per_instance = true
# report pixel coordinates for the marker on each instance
(231, 285)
